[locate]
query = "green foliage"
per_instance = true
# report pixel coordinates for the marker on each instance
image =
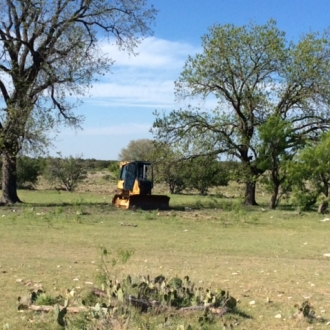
(114, 169)
(274, 135)
(310, 173)
(28, 171)
(174, 173)
(274, 155)
(179, 293)
(44, 299)
(97, 164)
(303, 197)
(125, 300)
(141, 149)
(67, 172)
(179, 173)
(206, 172)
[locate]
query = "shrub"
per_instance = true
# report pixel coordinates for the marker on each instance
(67, 172)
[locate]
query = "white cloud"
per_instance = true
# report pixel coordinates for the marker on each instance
(145, 80)
(152, 53)
(142, 93)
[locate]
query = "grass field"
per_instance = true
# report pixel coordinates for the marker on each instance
(268, 260)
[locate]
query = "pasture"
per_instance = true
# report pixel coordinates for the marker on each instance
(269, 261)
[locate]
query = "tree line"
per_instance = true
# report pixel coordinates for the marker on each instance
(303, 178)
(67, 172)
(63, 173)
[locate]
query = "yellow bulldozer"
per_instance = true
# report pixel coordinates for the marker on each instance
(135, 184)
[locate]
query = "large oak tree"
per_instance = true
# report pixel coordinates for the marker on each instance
(255, 74)
(50, 50)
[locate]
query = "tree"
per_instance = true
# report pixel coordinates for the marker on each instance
(206, 172)
(67, 172)
(277, 147)
(174, 173)
(310, 172)
(28, 171)
(51, 54)
(141, 149)
(254, 74)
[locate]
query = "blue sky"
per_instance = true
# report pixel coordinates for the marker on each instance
(120, 107)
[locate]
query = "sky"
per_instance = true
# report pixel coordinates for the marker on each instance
(121, 106)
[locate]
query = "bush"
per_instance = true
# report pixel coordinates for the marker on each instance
(28, 171)
(67, 172)
(114, 169)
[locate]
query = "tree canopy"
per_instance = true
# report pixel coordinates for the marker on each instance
(50, 53)
(309, 173)
(255, 74)
(141, 149)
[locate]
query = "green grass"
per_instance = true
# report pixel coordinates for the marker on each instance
(54, 241)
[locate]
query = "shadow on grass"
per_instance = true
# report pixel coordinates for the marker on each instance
(69, 204)
(241, 314)
(62, 204)
(209, 202)
(237, 206)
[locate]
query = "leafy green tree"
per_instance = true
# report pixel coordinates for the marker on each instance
(277, 147)
(205, 172)
(50, 55)
(310, 173)
(141, 149)
(67, 172)
(175, 175)
(254, 74)
(169, 167)
(28, 171)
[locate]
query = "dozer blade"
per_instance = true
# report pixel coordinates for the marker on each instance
(121, 201)
(144, 202)
(149, 202)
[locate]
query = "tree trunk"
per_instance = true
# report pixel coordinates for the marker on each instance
(250, 194)
(273, 199)
(9, 176)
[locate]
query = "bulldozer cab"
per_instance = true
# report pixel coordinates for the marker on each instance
(135, 185)
(141, 172)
